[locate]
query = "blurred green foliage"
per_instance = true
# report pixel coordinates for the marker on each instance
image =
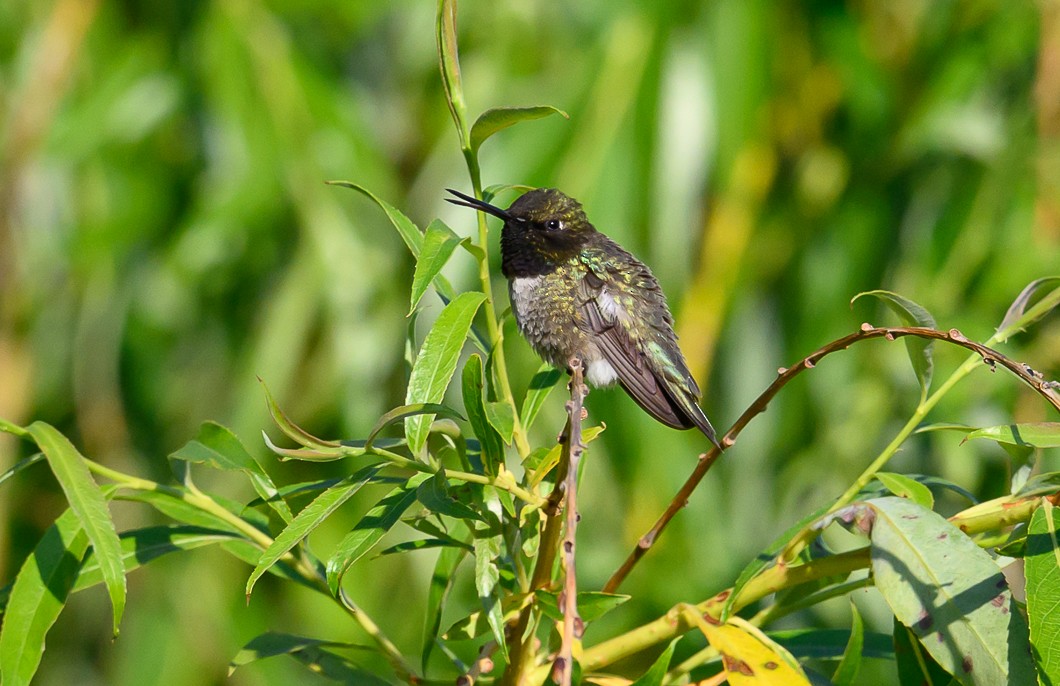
(165, 236)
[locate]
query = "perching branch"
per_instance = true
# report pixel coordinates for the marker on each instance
(568, 601)
(991, 357)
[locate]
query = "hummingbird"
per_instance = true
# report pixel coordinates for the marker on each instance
(576, 293)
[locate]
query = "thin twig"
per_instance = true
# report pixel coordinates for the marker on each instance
(784, 375)
(572, 623)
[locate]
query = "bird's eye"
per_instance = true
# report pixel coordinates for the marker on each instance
(553, 224)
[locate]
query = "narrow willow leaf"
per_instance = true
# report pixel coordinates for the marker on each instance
(501, 417)
(87, 501)
(409, 232)
(307, 454)
(751, 659)
(38, 596)
(944, 426)
(1035, 435)
(309, 518)
(399, 413)
(369, 530)
(434, 494)
(438, 592)
(915, 665)
(438, 245)
(449, 63)
(218, 447)
(657, 672)
(499, 118)
(170, 503)
(1042, 568)
(846, 672)
(20, 465)
(487, 577)
(591, 604)
(436, 363)
(919, 349)
(949, 591)
(1017, 317)
(1041, 484)
(904, 487)
(420, 544)
(490, 440)
(540, 386)
(544, 462)
(310, 652)
(140, 546)
(292, 430)
(767, 557)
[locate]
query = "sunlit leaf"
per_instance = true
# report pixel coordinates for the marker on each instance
(657, 672)
(436, 363)
(87, 502)
(1035, 435)
(488, 548)
(904, 487)
(20, 465)
(846, 672)
(919, 349)
(949, 591)
(1042, 569)
(591, 604)
(434, 494)
(540, 386)
(490, 440)
(438, 245)
(370, 529)
(292, 430)
(501, 417)
(749, 658)
(218, 447)
(1018, 317)
(38, 596)
(449, 62)
(309, 518)
(499, 118)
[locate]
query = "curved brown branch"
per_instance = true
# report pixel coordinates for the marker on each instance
(991, 357)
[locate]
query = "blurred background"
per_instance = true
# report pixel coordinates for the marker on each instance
(165, 236)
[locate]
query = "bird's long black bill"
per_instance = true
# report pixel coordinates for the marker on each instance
(476, 204)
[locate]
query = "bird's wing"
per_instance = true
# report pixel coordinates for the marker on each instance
(600, 304)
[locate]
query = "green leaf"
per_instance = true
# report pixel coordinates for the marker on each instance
(949, 591)
(421, 544)
(171, 504)
(540, 386)
(38, 596)
(1042, 569)
(767, 557)
(436, 363)
(657, 672)
(828, 644)
(292, 430)
(591, 604)
(408, 411)
(904, 487)
(218, 447)
(919, 349)
(87, 501)
(20, 465)
(308, 651)
(487, 576)
(409, 232)
(501, 417)
(1017, 318)
(140, 546)
(309, 518)
(915, 665)
(434, 494)
(490, 440)
(449, 63)
(369, 530)
(438, 245)
(1041, 484)
(846, 672)
(1035, 435)
(438, 592)
(499, 118)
